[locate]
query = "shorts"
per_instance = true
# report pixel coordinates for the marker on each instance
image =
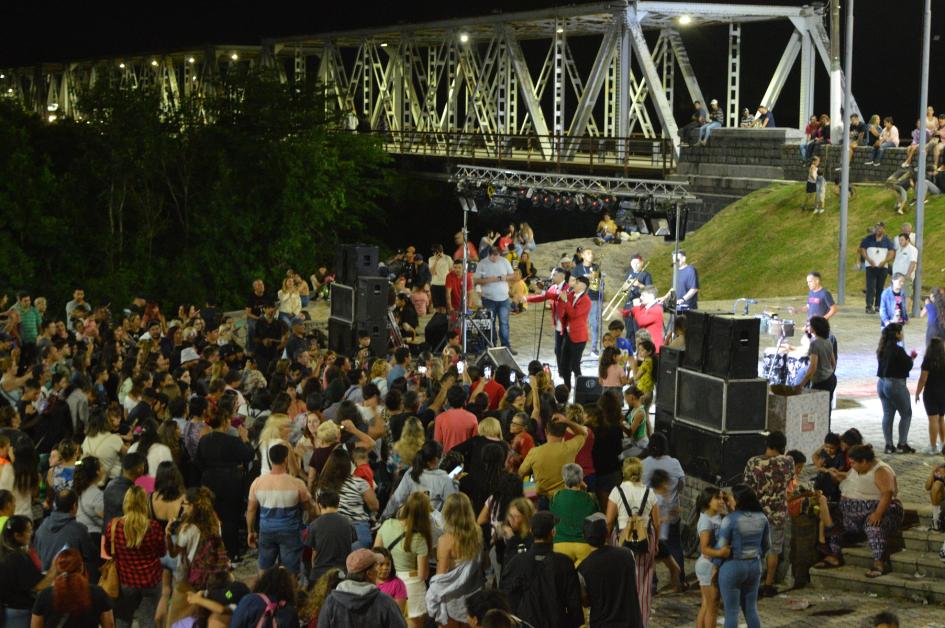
(934, 402)
(777, 539)
(438, 295)
(577, 552)
(704, 571)
(416, 596)
(811, 187)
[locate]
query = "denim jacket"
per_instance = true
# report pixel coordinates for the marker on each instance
(747, 534)
(887, 306)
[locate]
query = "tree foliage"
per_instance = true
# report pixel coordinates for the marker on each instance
(185, 206)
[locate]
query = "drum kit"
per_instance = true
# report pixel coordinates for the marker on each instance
(782, 364)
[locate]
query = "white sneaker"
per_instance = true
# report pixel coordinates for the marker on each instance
(904, 164)
(930, 451)
(868, 163)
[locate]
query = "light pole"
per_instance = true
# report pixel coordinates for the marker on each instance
(920, 186)
(845, 161)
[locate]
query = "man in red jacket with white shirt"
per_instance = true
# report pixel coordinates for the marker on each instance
(576, 308)
(551, 294)
(648, 314)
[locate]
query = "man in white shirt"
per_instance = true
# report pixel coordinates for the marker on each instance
(440, 266)
(493, 274)
(907, 256)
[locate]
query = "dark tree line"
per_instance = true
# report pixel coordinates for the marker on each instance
(185, 206)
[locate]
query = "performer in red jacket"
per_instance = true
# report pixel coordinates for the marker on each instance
(577, 307)
(551, 294)
(648, 314)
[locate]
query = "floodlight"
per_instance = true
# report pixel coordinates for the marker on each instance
(154, 62)
(685, 20)
(463, 38)
(559, 30)
(383, 44)
(121, 65)
(190, 60)
(234, 56)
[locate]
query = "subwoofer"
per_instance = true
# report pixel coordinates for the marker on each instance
(713, 457)
(587, 389)
(721, 405)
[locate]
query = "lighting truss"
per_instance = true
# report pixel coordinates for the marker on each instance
(468, 177)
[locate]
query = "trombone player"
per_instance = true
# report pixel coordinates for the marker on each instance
(637, 279)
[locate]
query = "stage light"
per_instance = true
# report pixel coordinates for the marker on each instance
(559, 30)
(52, 106)
(154, 62)
(383, 44)
(463, 38)
(121, 65)
(234, 57)
(190, 60)
(9, 90)
(685, 20)
(3, 76)
(51, 117)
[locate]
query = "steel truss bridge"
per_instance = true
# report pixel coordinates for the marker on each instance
(467, 89)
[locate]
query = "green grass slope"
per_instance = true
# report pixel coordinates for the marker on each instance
(763, 245)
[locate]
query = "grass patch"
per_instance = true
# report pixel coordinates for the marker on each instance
(763, 245)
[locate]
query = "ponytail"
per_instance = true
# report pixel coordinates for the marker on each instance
(430, 451)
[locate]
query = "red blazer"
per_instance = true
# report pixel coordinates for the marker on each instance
(575, 313)
(651, 320)
(551, 294)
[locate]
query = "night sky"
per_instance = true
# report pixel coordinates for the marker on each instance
(886, 57)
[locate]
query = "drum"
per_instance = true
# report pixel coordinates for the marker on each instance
(796, 367)
(774, 366)
(782, 328)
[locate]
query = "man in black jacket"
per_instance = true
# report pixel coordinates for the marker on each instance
(608, 577)
(542, 585)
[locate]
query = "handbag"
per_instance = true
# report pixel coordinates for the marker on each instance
(634, 536)
(108, 573)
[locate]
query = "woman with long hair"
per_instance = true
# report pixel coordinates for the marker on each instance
(471, 482)
(25, 480)
(524, 239)
(607, 445)
(277, 586)
(458, 558)
(823, 361)
(150, 445)
(102, 439)
(412, 438)
(744, 533)
(893, 371)
(931, 388)
(499, 487)
(276, 432)
(632, 498)
(222, 459)
(72, 599)
(514, 534)
(658, 458)
(89, 474)
(197, 524)
(409, 538)
(356, 497)
(327, 583)
(527, 268)
(425, 475)
(169, 436)
(327, 438)
(934, 311)
(610, 373)
(166, 502)
(137, 550)
(20, 577)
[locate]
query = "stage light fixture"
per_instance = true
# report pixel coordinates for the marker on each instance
(464, 38)
(154, 63)
(559, 30)
(53, 106)
(191, 60)
(51, 117)
(3, 76)
(234, 57)
(9, 90)
(383, 44)
(685, 20)
(121, 66)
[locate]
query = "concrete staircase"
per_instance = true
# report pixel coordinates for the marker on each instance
(917, 572)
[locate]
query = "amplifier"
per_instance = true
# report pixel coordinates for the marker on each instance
(721, 405)
(587, 389)
(714, 457)
(669, 362)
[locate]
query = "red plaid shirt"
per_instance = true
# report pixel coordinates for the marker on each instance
(138, 567)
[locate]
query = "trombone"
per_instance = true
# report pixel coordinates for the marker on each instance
(616, 302)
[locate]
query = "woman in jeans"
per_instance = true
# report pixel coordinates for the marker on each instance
(138, 549)
(893, 370)
(744, 534)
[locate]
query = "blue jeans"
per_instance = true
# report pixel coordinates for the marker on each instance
(500, 309)
(894, 396)
(363, 529)
(137, 605)
(706, 130)
(592, 322)
(285, 546)
(674, 545)
(17, 617)
(807, 150)
(878, 150)
(738, 584)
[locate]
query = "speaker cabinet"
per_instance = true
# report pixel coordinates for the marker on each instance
(713, 457)
(697, 325)
(355, 260)
(731, 348)
(663, 422)
(587, 389)
(343, 335)
(721, 405)
(500, 356)
(371, 298)
(669, 362)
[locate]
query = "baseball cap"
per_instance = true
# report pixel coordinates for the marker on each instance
(189, 354)
(543, 522)
(228, 595)
(713, 102)
(595, 529)
(361, 560)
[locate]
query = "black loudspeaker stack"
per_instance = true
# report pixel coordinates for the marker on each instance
(587, 389)
(720, 405)
(358, 301)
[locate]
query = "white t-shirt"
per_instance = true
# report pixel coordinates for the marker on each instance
(904, 257)
(158, 453)
(497, 290)
(91, 503)
(634, 495)
(107, 448)
(440, 266)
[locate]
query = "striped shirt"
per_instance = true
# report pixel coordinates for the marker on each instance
(30, 320)
(351, 499)
(279, 496)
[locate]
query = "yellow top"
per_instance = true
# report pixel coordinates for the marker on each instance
(545, 463)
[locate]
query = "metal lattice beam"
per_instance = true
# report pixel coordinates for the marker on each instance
(468, 175)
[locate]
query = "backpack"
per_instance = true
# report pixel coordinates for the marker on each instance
(210, 559)
(634, 535)
(268, 617)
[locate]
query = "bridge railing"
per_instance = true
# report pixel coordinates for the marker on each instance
(588, 153)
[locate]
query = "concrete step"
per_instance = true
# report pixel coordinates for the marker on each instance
(894, 584)
(922, 540)
(906, 562)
